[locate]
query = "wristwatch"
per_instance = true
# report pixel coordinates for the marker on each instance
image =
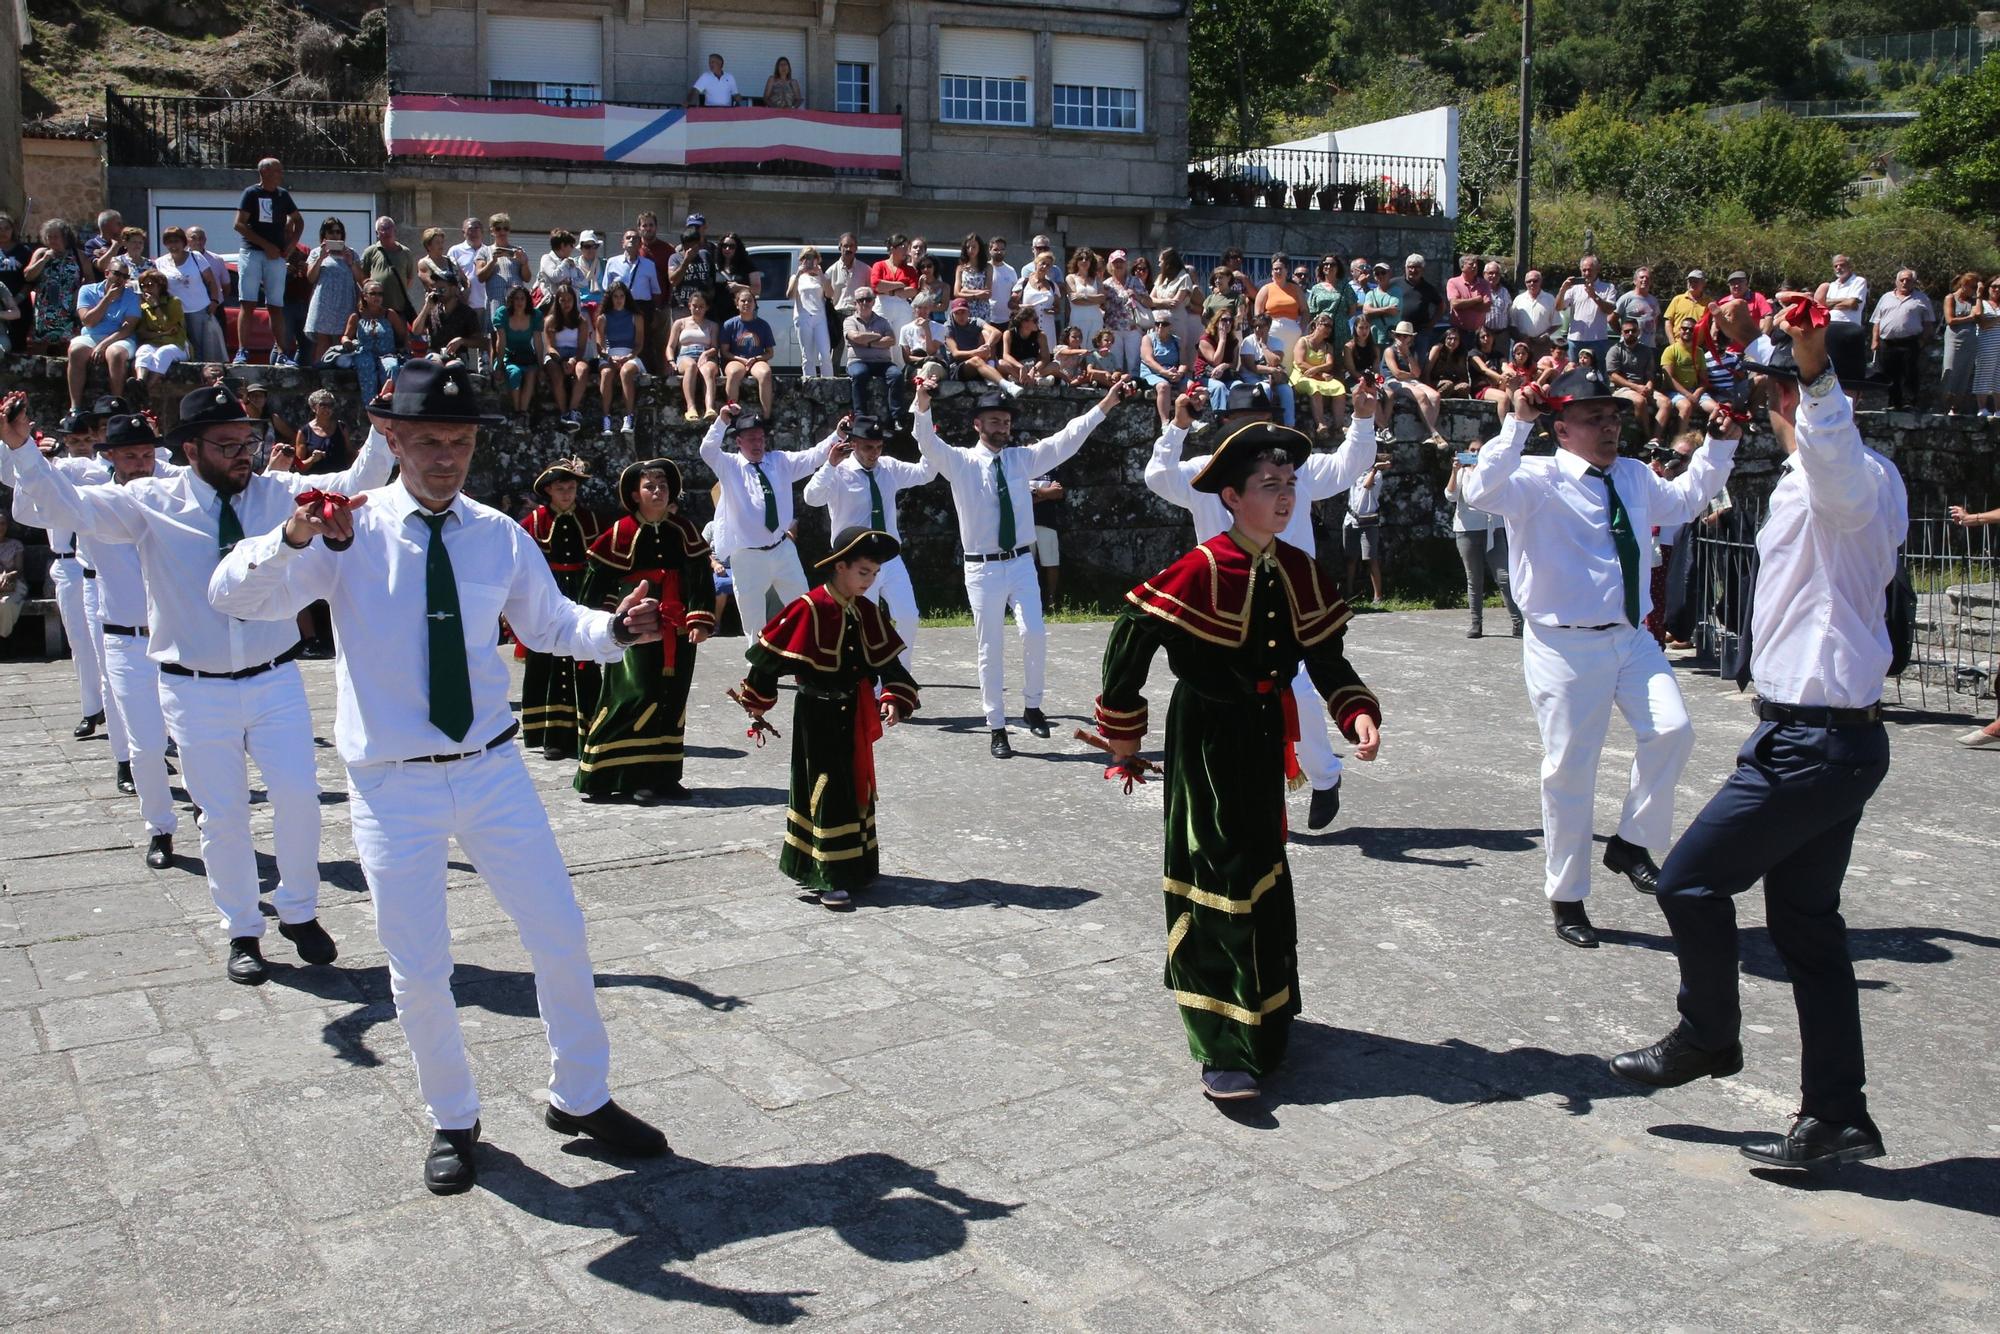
(1824, 385)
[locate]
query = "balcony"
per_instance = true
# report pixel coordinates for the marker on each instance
(234, 133)
(1310, 180)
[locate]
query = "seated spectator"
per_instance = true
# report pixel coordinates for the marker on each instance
(917, 341)
(1220, 359)
(1403, 377)
(569, 352)
(694, 340)
(108, 313)
(450, 328)
(1263, 361)
(1448, 369)
(10, 315)
(1162, 364)
(195, 287)
(1690, 304)
(1103, 361)
(1686, 377)
(257, 407)
(1315, 372)
(749, 345)
(161, 337)
(621, 333)
(1633, 369)
(781, 90)
(1722, 364)
(972, 347)
(378, 339)
(321, 444)
(1072, 357)
(517, 351)
(1489, 371)
(871, 353)
(1534, 316)
(334, 271)
(54, 274)
(1025, 357)
(14, 256)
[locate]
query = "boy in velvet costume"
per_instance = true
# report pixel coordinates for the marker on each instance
(557, 693)
(840, 644)
(633, 744)
(1236, 616)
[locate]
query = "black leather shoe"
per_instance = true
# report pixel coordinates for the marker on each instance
(125, 783)
(1002, 748)
(246, 961)
(1325, 805)
(1573, 925)
(173, 749)
(1634, 863)
(160, 852)
(1037, 721)
(613, 1127)
(552, 752)
(449, 1168)
(1475, 633)
(88, 727)
(314, 944)
(1812, 1142)
(1673, 1061)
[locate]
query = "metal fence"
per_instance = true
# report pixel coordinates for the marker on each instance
(1950, 50)
(237, 132)
(1309, 179)
(1955, 650)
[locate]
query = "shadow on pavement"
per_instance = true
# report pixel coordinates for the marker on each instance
(1403, 843)
(909, 891)
(1971, 1185)
(675, 1211)
(1892, 944)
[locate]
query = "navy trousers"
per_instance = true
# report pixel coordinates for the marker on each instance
(1787, 817)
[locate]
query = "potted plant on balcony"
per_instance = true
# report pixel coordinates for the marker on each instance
(1275, 193)
(1350, 195)
(1243, 192)
(1403, 199)
(1328, 197)
(1370, 198)
(1426, 202)
(1201, 185)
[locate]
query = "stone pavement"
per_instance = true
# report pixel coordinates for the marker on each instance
(968, 1105)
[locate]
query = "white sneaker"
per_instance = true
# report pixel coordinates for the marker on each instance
(1009, 388)
(627, 427)
(834, 898)
(1978, 738)
(607, 426)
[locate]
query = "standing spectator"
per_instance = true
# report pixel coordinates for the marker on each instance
(1221, 295)
(434, 266)
(105, 242)
(55, 273)
(1642, 307)
(1534, 319)
(694, 340)
(1482, 549)
(806, 290)
(735, 274)
(1901, 325)
(218, 269)
(920, 250)
(1330, 295)
(748, 343)
(929, 284)
(14, 256)
(1041, 288)
(13, 577)
(1142, 282)
(132, 245)
(389, 262)
(10, 316)
(590, 269)
(844, 277)
(517, 351)
(1403, 377)
(1469, 296)
(160, 340)
(380, 339)
(1845, 295)
(1756, 303)
(1085, 289)
(108, 313)
(716, 87)
(558, 266)
(870, 354)
(893, 282)
(973, 282)
(781, 90)
(298, 296)
(1420, 301)
(465, 258)
(1315, 372)
(1633, 369)
(1499, 315)
(631, 269)
(1047, 495)
(1359, 280)
(621, 332)
(1283, 300)
(336, 278)
(1221, 354)
(191, 283)
(1005, 279)
(1448, 369)
(269, 223)
(1691, 303)
(1380, 311)
(689, 269)
(1961, 342)
(502, 266)
(1589, 301)
(1986, 379)
(1264, 363)
(1362, 530)
(1175, 291)
(1162, 365)
(1123, 309)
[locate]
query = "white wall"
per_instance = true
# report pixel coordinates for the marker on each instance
(1432, 133)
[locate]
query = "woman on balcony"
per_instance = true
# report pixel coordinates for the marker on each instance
(621, 332)
(379, 338)
(335, 275)
(781, 90)
(1086, 292)
(162, 336)
(54, 273)
(517, 350)
(569, 352)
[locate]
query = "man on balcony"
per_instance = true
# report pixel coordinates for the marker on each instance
(715, 88)
(269, 223)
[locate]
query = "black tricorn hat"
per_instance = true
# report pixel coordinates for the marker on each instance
(435, 391)
(1231, 462)
(1846, 352)
(128, 429)
(628, 481)
(210, 405)
(859, 543)
(1580, 384)
(562, 470)
(864, 426)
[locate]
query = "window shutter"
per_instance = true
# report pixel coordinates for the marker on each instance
(1099, 62)
(537, 51)
(750, 54)
(856, 49)
(987, 53)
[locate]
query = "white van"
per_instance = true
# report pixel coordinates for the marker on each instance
(775, 263)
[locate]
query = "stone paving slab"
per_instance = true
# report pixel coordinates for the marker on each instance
(968, 1105)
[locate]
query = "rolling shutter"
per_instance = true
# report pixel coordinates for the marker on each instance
(987, 53)
(750, 54)
(1099, 62)
(855, 49)
(544, 51)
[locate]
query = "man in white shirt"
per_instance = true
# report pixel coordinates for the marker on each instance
(1321, 476)
(426, 735)
(465, 256)
(76, 594)
(1500, 314)
(858, 486)
(1575, 526)
(1005, 278)
(715, 88)
(631, 267)
(1590, 300)
(1845, 295)
(996, 533)
(756, 511)
(229, 688)
(1819, 650)
(1534, 315)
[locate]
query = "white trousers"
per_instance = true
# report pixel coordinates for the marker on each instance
(1574, 679)
(892, 589)
(74, 593)
(756, 573)
(992, 586)
(815, 356)
(114, 721)
(404, 815)
(1316, 756)
(134, 697)
(219, 725)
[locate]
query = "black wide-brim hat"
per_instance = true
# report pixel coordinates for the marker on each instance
(1846, 351)
(210, 405)
(562, 470)
(748, 420)
(1581, 384)
(628, 481)
(1231, 462)
(129, 429)
(859, 543)
(993, 401)
(435, 391)
(864, 426)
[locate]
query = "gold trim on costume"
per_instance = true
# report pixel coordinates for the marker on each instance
(1222, 903)
(1178, 932)
(819, 790)
(838, 831)
(844, 855)
(1194, 1000)
(645, 716)
(541, 709)
(634, 743)
(619, 762)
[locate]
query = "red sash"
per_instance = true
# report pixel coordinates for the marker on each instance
(867, 731)
(673, 612)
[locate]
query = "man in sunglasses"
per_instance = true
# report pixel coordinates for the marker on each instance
(229, 688)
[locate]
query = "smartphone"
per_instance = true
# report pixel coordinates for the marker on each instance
(331, 244)
(1467, 457)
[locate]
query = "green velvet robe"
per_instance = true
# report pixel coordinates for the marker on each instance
(557, 692)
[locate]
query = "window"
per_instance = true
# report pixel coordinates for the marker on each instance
(1097, 83)
(985, 77)
(751, 54)
(547, 60)
(1096, 108)
(851, 85)
(555, 94)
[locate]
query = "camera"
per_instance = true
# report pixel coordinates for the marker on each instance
(1128, 390)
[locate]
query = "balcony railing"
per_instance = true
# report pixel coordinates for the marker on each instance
(235, 133)
(1309, 179)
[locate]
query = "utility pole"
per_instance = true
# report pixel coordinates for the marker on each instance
(1521, 144)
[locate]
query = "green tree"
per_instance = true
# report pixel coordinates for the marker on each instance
(1956, 137)
(1776, 165)
(1246, 62)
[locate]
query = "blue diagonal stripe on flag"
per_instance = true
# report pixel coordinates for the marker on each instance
(653, 127)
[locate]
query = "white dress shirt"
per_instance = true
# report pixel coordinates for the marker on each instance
(743, 495)
(1562, 559)
(1534, 315)
(376, 591)
(172, 521)
(1319, 477)
(465, 257)
(843, 490)
(970, 473)
(1001, 302)
(1840, 289)
(121, 581)
(717, 90)
(1825, 556)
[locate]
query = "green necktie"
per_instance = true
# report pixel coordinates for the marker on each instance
(1628, 545)
(1006, 507)
(770, 498)
(451, 684)
(228, 528)
(875, 519)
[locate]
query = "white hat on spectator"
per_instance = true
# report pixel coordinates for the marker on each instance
(1163, 317)
(590, 237)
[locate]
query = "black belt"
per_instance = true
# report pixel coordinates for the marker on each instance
(65, 555)
(972, 559)
(129, 631)
(1608, 625)
(1808, 715)
(512, 731)
(773, 547)
(89, 573)
(175, 669)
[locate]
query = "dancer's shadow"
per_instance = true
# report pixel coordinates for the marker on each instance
(1968, 1184)
(673, 1213)
(714, 752)
(1893, 944)
(730, 797)
(497, 991)
(1401, 844)
(913, 892)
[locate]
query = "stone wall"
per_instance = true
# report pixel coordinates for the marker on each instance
(65, 179)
